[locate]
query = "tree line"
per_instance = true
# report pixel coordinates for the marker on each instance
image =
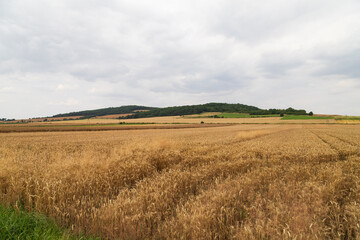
(105, 111)
(6, 120)
(212, 107)
(181, 110)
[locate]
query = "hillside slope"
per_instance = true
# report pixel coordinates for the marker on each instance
(105, 111)
(195, 109)
(143, 111)
(213, 107)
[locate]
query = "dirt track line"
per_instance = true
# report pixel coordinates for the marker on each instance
(326, 142)
(233, 142)
(342, 156)
(343, 140)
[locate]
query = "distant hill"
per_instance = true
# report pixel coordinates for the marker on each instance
(195, 109)
(142, 111)
(106, 111)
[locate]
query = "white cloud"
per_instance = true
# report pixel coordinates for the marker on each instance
(68, 102)
(112, 53)
(6, 89)
(63, 87)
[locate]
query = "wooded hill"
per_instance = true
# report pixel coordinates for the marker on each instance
(213, 107)
(195, 109)
(106, 111)
(181, 110)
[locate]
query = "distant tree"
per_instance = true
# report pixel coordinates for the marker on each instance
(311, 113)
(281, 114)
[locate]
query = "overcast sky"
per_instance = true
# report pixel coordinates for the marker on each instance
(68, 55)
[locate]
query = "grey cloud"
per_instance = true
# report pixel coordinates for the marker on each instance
(111, 72)
(253, 23)
(275, 65)
(345, 64)
(175, 52)
(220, 82)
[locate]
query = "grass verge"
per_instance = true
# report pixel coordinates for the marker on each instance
(18, 224)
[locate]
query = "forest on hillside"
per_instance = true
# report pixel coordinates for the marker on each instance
(105, 111)
(213, 107)
(181, 110)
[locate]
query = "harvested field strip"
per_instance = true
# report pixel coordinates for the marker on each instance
(304, 117)
(131, 126)
(357, 121)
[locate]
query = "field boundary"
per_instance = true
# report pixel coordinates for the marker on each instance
(17, 129)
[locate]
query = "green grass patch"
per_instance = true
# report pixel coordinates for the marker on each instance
(262, 116)
(233, 115)
(244, 115)
(303, 117)
(18, 224)
(13, 123)
(347, 118)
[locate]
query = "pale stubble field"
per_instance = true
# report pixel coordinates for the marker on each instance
(242, 181)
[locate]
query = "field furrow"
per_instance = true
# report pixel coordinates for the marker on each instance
(343, 148)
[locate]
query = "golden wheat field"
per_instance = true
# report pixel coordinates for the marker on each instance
(228, 182)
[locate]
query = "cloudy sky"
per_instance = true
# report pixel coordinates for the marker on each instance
(64, 55)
